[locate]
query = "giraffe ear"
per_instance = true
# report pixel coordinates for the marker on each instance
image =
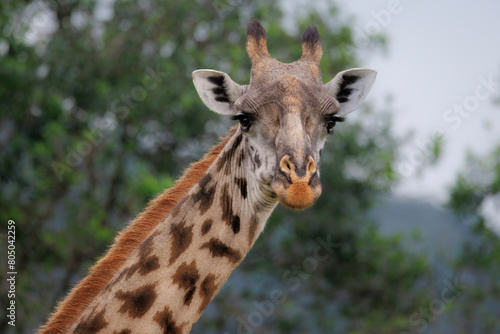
(217, 91)
(350, 88)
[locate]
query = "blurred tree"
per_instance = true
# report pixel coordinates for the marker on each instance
(98, 114)
(475, 196)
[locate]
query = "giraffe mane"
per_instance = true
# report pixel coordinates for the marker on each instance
(80, 297)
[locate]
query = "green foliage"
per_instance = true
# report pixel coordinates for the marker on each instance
(479, 262)
(482, 177)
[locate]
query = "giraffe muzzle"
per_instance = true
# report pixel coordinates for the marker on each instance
(297, 188)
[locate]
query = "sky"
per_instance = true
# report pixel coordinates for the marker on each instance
(442, 70)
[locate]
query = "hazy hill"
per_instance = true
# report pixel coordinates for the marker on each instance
(425, 226)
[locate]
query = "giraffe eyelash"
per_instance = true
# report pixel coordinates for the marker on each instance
(245, 119)
(331, 120)
(334, 117)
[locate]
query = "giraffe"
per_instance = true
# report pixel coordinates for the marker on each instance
(166, 266)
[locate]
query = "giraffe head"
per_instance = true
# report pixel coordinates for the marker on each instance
(286, 112)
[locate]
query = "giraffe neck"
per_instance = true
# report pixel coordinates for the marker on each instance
(174, 273)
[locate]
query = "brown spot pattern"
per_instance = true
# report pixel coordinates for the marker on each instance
(207, 291)
(218, 249)
(123, 331)
(206, 194)
(137, 302)
(118, 278)
(207, 225)
(146, 247)
(166, 321)
(186, 277)
(227, 210)
(146, 263)
(182, 237)
(257, 160)
(144, 266)
(241, 158)
(227, 156)
(242, 184)
(177, 209)
(92, 324)
(254, 222)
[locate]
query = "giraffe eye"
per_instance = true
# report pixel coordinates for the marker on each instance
(331, 121)
(245, 121)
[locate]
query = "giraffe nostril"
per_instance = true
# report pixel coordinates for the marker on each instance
(294, 173)
(286, 166)
(311, 166)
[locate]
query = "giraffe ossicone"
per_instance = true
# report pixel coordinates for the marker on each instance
(167, 265)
